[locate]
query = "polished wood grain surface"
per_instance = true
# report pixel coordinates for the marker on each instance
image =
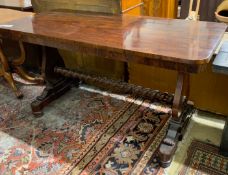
(16, 4)
(185, 46)
(144, 40)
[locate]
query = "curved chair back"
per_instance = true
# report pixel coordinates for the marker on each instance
(222, 12)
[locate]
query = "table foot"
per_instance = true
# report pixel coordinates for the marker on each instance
(224, 142)
(175, 134)
(49, 94)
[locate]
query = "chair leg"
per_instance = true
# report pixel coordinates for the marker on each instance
(5, 72)
(24, 75)
(21, 59)
(16, 64)
(1, 72)
(9, 78)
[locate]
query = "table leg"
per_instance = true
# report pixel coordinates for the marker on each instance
(177, 123)
(55, 85)
(49, 94)
(224, 142)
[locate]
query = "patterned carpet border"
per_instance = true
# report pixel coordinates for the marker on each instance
(204, 159)
(86, 131)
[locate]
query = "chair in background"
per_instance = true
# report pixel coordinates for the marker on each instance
(12, 54)
(193, 14)
(206, 10)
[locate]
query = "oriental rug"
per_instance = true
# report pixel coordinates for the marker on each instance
(204, 159)
(86, 131)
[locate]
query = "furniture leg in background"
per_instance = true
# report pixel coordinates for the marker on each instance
(15, 66)
(224, 142)
(7, 74)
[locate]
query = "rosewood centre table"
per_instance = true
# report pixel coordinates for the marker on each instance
(184, 46)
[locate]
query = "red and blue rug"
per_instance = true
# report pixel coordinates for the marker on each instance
(204, 159)
(86, 131)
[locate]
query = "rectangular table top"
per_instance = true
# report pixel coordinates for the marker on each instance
(22, 5)
(168, 43)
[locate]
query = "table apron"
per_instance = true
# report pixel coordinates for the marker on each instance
(108, 53)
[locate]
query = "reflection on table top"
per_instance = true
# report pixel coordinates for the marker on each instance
(180, 41)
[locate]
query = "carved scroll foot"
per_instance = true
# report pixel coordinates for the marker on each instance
(24, 75)
(169, 144)
(9, 78)
(50, 93)
(5, 72)
(177, 123)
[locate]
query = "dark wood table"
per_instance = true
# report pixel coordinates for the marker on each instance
(22, 5)
(184, 46)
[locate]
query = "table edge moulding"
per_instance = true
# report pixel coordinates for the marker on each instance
(184, 46)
